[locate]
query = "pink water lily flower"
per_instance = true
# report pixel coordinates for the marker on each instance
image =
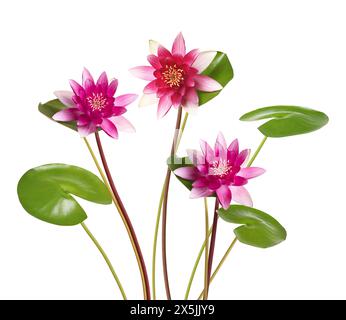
(220, 171)
(93, 105)
(175, 76)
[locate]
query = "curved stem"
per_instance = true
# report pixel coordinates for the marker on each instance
(105, 257)
(126, 221)
(164, 235)
(194, 269)
(257, 151)
(104, 178)
(205, 294)
(212, 246)
(157, 224)
(115, 201)
(164, 207)
(159, 210)
(220, 263)
(182, 130)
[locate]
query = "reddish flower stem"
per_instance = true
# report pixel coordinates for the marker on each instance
(126, 219)
(212, 245)
(164, 208)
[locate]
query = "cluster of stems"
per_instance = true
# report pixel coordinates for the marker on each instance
(208, 247)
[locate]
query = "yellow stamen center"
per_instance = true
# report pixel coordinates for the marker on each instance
(97, 101)
(173, 76)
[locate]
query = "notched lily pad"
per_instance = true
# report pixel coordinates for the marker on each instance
(287, 120)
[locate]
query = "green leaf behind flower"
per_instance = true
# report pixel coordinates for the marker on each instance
(45, 193)
(175, 163)
(287, 120)
(50, 108)
(220, 70)
(258, 229)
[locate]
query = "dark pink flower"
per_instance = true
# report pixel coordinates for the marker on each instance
(93, 105)
(175, 76)
(220, 171)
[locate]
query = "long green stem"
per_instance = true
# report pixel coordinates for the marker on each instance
(159, 211)
(98, 166)
(254, 156)
(205, 291)
(220, 264)
(158, 218)
(182, 130)
(194, 269)
(105, 257)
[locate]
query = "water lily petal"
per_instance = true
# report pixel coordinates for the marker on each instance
(143, 72)
(125, 99)
(176, 100)
(151, 87)
(163, 52)
(191, 56)
(191, 98)
(103, 81)
(65, 97)
(190, 82)
(220, 151)
(242, 196)
(178, 47)
(154, 61)
(68, 114)
(203, 60)
(195, 156)
(200, 192)
(112, 88)
(224, 195)
(165, 104)
(221, 140)
(153, 46)
(206, 84)
(76, 88)
(148, 100)
(252, 172)
(123, 124)
(109, 127)
(203, 168)
(83, 120)
(233, 151)
(89, 87)
(214, 184)
(188, 173)
(200, 183)
(234, 146)
(207, 151)
(239, 181)
(86, 76)
(117, 111)
(86, 130)
(242, 157)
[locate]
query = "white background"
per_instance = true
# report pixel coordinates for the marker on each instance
(283, 52)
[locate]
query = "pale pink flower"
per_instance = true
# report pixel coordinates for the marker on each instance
(175, 76)
(220, 172)
(93, 105)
